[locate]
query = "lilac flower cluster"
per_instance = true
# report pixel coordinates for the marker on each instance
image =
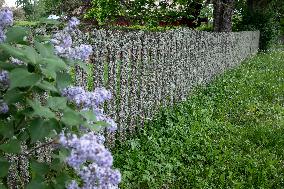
(89, 157)
(3, 107)
(81, 52)
(62, 42)
(91, 101)
(4, 79)
(72, 24)
(89, 148)
(86, 99)
(6, 19)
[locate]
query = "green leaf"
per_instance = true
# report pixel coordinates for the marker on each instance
(36, 184)
(6, 130)
(52, 66)
(32, 55)
(56, 63)
(2, 186)
(8, 66)
(45, 85)
(14, 95)
(61, 179)
(12, 51)
(38, 169)
(16, 34)
(38, 130)
(12, 146)
(89, 115)
(63, 80)
(3, 55)
(4, 167)
(41, 111)
(60, 158)
(45, 50)
(57, 103)
(71, 118)
(20, 77)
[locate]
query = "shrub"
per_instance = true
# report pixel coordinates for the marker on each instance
(40, 109)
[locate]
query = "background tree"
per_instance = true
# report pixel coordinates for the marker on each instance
(263, 15)
(223, 11)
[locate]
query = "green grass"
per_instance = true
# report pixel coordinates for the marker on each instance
(229, 134)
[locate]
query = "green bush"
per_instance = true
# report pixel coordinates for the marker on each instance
(227, 135)
(262, 20)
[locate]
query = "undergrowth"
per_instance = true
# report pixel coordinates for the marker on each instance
(229, 134)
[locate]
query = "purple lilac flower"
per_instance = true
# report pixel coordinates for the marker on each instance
(72, 24)
(81, 52)
(91, 100)
(6, 18)
(73, 185)
(102, 94)
(3, 108)
(94, 176)
(85, 99)
(4, 79)
(62, 42)
(100, 116)
(72, 92)
(88, 148)
(105, 176)
(112, 125)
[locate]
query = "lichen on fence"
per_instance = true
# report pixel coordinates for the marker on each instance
(147, 70)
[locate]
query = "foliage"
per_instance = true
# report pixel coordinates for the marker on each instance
(143, 28)
(205, 27)
(38, 105)
(226, 135)
(265, 18)
(58, 7)
(28, 7)
(104, 10)
(143, 12)
(264, 21)
(18, 13)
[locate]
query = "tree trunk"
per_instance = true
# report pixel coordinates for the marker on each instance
(223, 12)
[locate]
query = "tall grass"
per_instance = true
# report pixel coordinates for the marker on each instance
(229, 134)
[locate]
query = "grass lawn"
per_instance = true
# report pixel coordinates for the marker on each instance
(229, 134)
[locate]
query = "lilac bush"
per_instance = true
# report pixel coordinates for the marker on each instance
(68, 119)
(89, 147)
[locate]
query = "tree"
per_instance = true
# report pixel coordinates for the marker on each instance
(262, 15)
(222, 15)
